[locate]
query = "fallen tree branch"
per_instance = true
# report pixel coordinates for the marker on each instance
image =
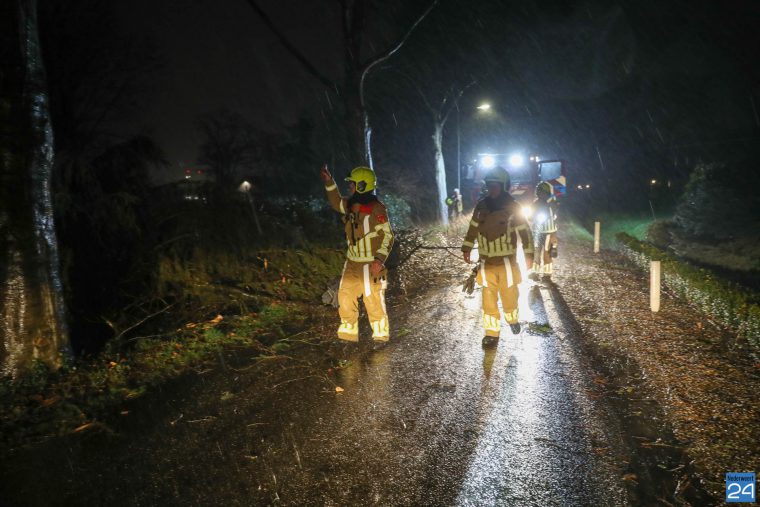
(142, 321)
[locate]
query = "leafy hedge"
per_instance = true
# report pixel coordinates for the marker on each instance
(732, 306)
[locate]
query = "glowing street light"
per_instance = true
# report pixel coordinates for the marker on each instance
(653, 182)
(484, 107)
(245, 187)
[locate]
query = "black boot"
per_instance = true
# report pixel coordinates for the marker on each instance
(515, 327)
(490, 342)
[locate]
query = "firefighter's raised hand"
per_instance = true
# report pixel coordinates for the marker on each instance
(466, 256)
(324, 175)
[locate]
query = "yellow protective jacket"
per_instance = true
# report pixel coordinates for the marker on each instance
(368, 231)
(495, 226)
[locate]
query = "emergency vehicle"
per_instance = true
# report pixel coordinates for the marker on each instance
(524, 175)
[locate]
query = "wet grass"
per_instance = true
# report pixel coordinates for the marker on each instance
(611, 224)
(253, 303)
(731, 305)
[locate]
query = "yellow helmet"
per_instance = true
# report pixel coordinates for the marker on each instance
(498, 175)
(365, 179)
(544, 188)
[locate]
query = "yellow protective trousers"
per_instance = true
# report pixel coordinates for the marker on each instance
(499, 277)
(356, 282)
(543, 263)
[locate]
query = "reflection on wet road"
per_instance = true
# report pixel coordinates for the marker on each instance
(433, 419)
(436, 420)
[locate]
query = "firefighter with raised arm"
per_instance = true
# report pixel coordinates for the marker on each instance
(544, 231)
(496, 223)
(369, 238)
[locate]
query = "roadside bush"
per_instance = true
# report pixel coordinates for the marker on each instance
(720, 200)
(734, 307)
(660, 233)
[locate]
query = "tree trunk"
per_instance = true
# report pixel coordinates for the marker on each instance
(440, 173)
(357, 123)
(31, 302)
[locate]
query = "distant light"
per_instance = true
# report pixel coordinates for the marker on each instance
(244, 187)
(588, 186)
(527, 211)
(484, 107)
(488, 161)
(516, 160)
(653, 182)
(580, 187)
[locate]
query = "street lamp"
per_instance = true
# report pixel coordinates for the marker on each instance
(245, 187)
(485, 106)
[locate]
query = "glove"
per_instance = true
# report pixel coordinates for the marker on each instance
(468, 286)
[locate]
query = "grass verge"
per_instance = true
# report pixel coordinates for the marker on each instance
(251, 304)
(730, 305)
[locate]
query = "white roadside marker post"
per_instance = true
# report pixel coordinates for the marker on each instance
(654, 286)
(597, 227)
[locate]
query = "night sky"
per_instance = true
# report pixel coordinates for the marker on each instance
(219, 55)
(568, 60)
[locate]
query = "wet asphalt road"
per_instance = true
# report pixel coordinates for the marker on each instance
(431, 420)
(436, 420)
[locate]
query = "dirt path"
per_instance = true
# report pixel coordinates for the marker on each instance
(703, 380)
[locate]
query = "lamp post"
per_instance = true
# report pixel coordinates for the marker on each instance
(459, 161)
(245, 187)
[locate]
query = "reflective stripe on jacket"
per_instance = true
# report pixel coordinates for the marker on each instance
(496, 229)
(368, 231)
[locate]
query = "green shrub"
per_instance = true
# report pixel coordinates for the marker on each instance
(660, 233)
(719, 200)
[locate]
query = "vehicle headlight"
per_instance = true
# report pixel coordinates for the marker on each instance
(527, 211)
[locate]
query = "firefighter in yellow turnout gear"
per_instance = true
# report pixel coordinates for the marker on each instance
(369, 238)
(544, 230)
(496, 225)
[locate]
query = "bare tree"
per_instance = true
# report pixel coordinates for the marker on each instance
(357, 67)
(458, 48)
(440, 112)
(230, 146)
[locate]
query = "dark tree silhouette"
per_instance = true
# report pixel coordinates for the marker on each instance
(230, 148)
(101, 176)
(354, 17)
